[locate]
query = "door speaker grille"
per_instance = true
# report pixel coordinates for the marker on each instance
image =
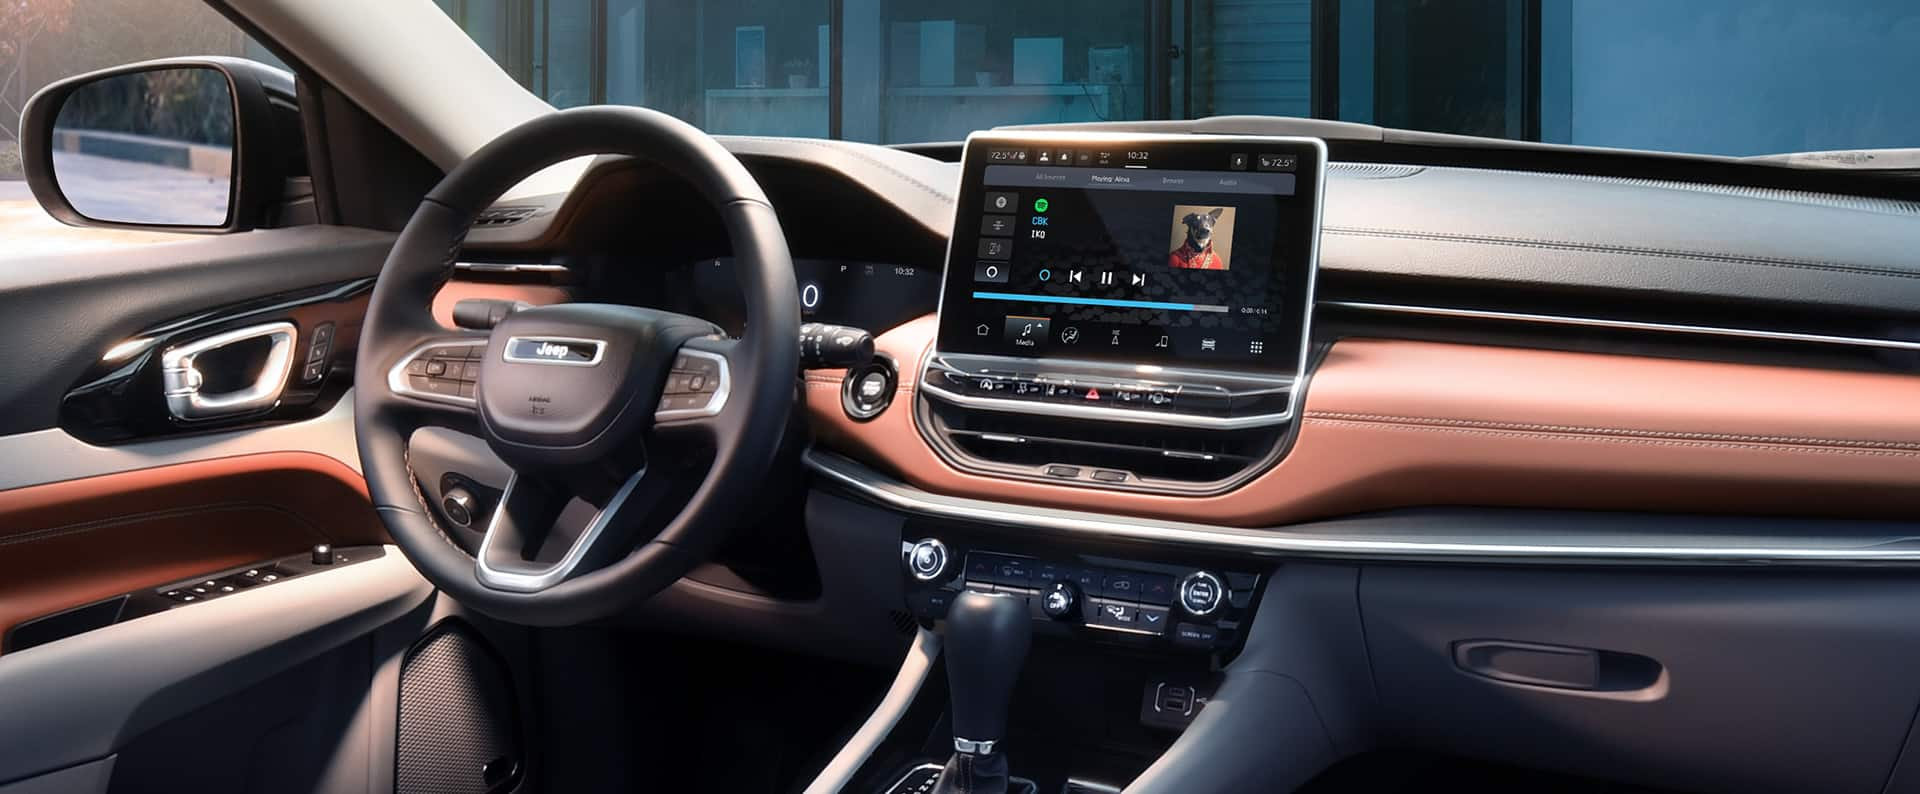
(458, 731)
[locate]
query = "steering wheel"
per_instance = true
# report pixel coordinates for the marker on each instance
(618, 489)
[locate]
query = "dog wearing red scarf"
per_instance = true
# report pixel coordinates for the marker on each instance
(1197, 252)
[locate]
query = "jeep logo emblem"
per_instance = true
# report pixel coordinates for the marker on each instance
(554, 350)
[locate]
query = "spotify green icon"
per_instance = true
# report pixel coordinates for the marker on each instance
(1040, 205)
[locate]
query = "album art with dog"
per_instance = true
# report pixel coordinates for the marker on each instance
(1202, 238)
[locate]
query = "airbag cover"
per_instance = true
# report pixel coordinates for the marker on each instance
(564, 384)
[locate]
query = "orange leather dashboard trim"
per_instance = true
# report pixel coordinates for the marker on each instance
(457, 290)
(70, 543)
(1396, 423)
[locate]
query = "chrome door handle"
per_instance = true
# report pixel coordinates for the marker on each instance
(182, 380)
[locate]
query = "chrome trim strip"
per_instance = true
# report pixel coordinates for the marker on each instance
(557, 572)
(494, 267)
(1280, 542)
(715, 401)
(599, 350)
(1624, 325)
(906, 686)
(1122, 630)
(1142, 416)
(128, 349)
(180, 376)
(397, 377)
(38, 457)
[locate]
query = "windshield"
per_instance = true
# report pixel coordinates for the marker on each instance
(1726, 77)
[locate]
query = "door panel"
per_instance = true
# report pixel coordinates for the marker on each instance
(71, 543)
(85, 697)
(153, 502)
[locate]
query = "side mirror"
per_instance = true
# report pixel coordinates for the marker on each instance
(182, 144)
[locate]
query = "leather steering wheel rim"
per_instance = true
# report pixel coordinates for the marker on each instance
(764, 362)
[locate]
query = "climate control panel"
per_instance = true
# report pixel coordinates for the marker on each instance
(1159, 604)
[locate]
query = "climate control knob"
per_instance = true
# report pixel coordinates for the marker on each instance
(927, 559)
(1201, 594)
(1061, 601)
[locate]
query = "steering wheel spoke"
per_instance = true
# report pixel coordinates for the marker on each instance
(438, 377)
(545, 531)
(694, 399)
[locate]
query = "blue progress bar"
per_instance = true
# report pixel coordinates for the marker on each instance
(1119, 304)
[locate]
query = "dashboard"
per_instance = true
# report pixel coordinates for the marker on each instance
(1626, 418)
(1472, 331)
(869, 295)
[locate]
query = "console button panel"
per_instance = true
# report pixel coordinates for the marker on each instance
(1172, 606)
(1174, 397)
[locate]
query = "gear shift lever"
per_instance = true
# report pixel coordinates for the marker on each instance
(987, 639)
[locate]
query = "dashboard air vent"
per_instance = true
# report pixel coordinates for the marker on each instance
(504, 216)
(1101, 453)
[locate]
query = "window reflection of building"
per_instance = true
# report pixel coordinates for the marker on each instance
(1601, 72)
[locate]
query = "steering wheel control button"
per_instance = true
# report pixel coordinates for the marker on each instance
(1201, 593)
(694, 386)
(927, 560)
(444, 370)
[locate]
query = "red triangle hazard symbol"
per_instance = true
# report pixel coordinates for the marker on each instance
(1093, 394)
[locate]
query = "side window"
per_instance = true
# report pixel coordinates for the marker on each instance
(42, 41)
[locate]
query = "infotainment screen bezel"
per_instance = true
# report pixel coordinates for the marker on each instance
(1296, 256)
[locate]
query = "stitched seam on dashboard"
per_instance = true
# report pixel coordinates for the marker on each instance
(861, 157)
(1668, 253)
(902, 387)
(1616, 431)
(1641, 441)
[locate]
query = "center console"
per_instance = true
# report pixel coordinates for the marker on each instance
(1125, 311)
(1120, 312)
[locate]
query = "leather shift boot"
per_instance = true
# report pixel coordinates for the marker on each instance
(967, 773)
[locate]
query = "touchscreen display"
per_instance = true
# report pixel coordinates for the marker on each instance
(1183, 251)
